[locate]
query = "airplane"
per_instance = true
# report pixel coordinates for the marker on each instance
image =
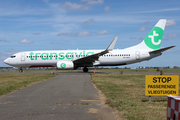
(72, 59)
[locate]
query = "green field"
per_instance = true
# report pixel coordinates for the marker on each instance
(31, 70)
(12, 82)
(138, 70)
(126, 93)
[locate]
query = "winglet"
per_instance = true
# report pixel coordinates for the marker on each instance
(111, 46)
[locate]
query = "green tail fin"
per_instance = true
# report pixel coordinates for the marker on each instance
(154, 38)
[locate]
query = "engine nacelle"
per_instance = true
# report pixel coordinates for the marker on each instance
(65, 65)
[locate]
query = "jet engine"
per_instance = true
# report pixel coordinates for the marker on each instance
(65, 65)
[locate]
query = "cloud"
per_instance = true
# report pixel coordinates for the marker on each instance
(65, 27)
(142, 29)
(38, 33)
(173, 50)
(170, 23)
(141, 38)
(165, 39)
(64, 34)
(3, 40)
(177, 51)
(104, 32)
(74, 6)
(24, 41)
(83, 34)
(88, 22)
(132, 38)
(54, 43)
(94, 2)
(156, 11)
(146, 23)
(16, 11)
(107, 9)
(173, 36)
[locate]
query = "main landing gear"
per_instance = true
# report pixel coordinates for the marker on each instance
(20, 70)
(85, 69)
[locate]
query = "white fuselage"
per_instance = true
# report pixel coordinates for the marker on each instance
(50, 58)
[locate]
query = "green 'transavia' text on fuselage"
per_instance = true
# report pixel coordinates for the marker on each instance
(59, 55)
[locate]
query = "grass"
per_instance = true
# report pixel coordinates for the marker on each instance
(12, 82)
(137, 70)
(126, 93)
(25, 70)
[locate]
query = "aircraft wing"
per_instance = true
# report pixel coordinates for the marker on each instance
(92, 58)
(161, 50)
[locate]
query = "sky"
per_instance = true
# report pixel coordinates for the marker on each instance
(28, 25)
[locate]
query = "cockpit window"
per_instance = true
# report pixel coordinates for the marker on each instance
(13, 56)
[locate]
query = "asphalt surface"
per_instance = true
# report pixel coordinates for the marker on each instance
(80, 71)
(67, 96)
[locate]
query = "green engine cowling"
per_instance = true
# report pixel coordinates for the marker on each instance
(65, 65)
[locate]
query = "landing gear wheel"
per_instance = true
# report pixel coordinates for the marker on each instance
(20, 70)
(85, 69)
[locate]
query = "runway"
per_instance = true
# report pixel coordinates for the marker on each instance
(67, 96)
(81, 72)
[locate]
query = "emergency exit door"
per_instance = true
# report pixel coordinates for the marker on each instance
(23, 56)
(137, 55)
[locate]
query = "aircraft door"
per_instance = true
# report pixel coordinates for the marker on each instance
(23, 56)
(137, 55)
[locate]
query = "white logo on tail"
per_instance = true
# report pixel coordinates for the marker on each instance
(152, 38)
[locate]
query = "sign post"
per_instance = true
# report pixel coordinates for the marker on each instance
(149, 98)
(162, 85)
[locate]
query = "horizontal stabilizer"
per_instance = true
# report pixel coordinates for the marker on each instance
(161, 50)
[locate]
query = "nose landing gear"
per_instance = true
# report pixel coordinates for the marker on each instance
(20, 70)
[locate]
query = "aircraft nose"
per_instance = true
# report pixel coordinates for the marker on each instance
(6, 61)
